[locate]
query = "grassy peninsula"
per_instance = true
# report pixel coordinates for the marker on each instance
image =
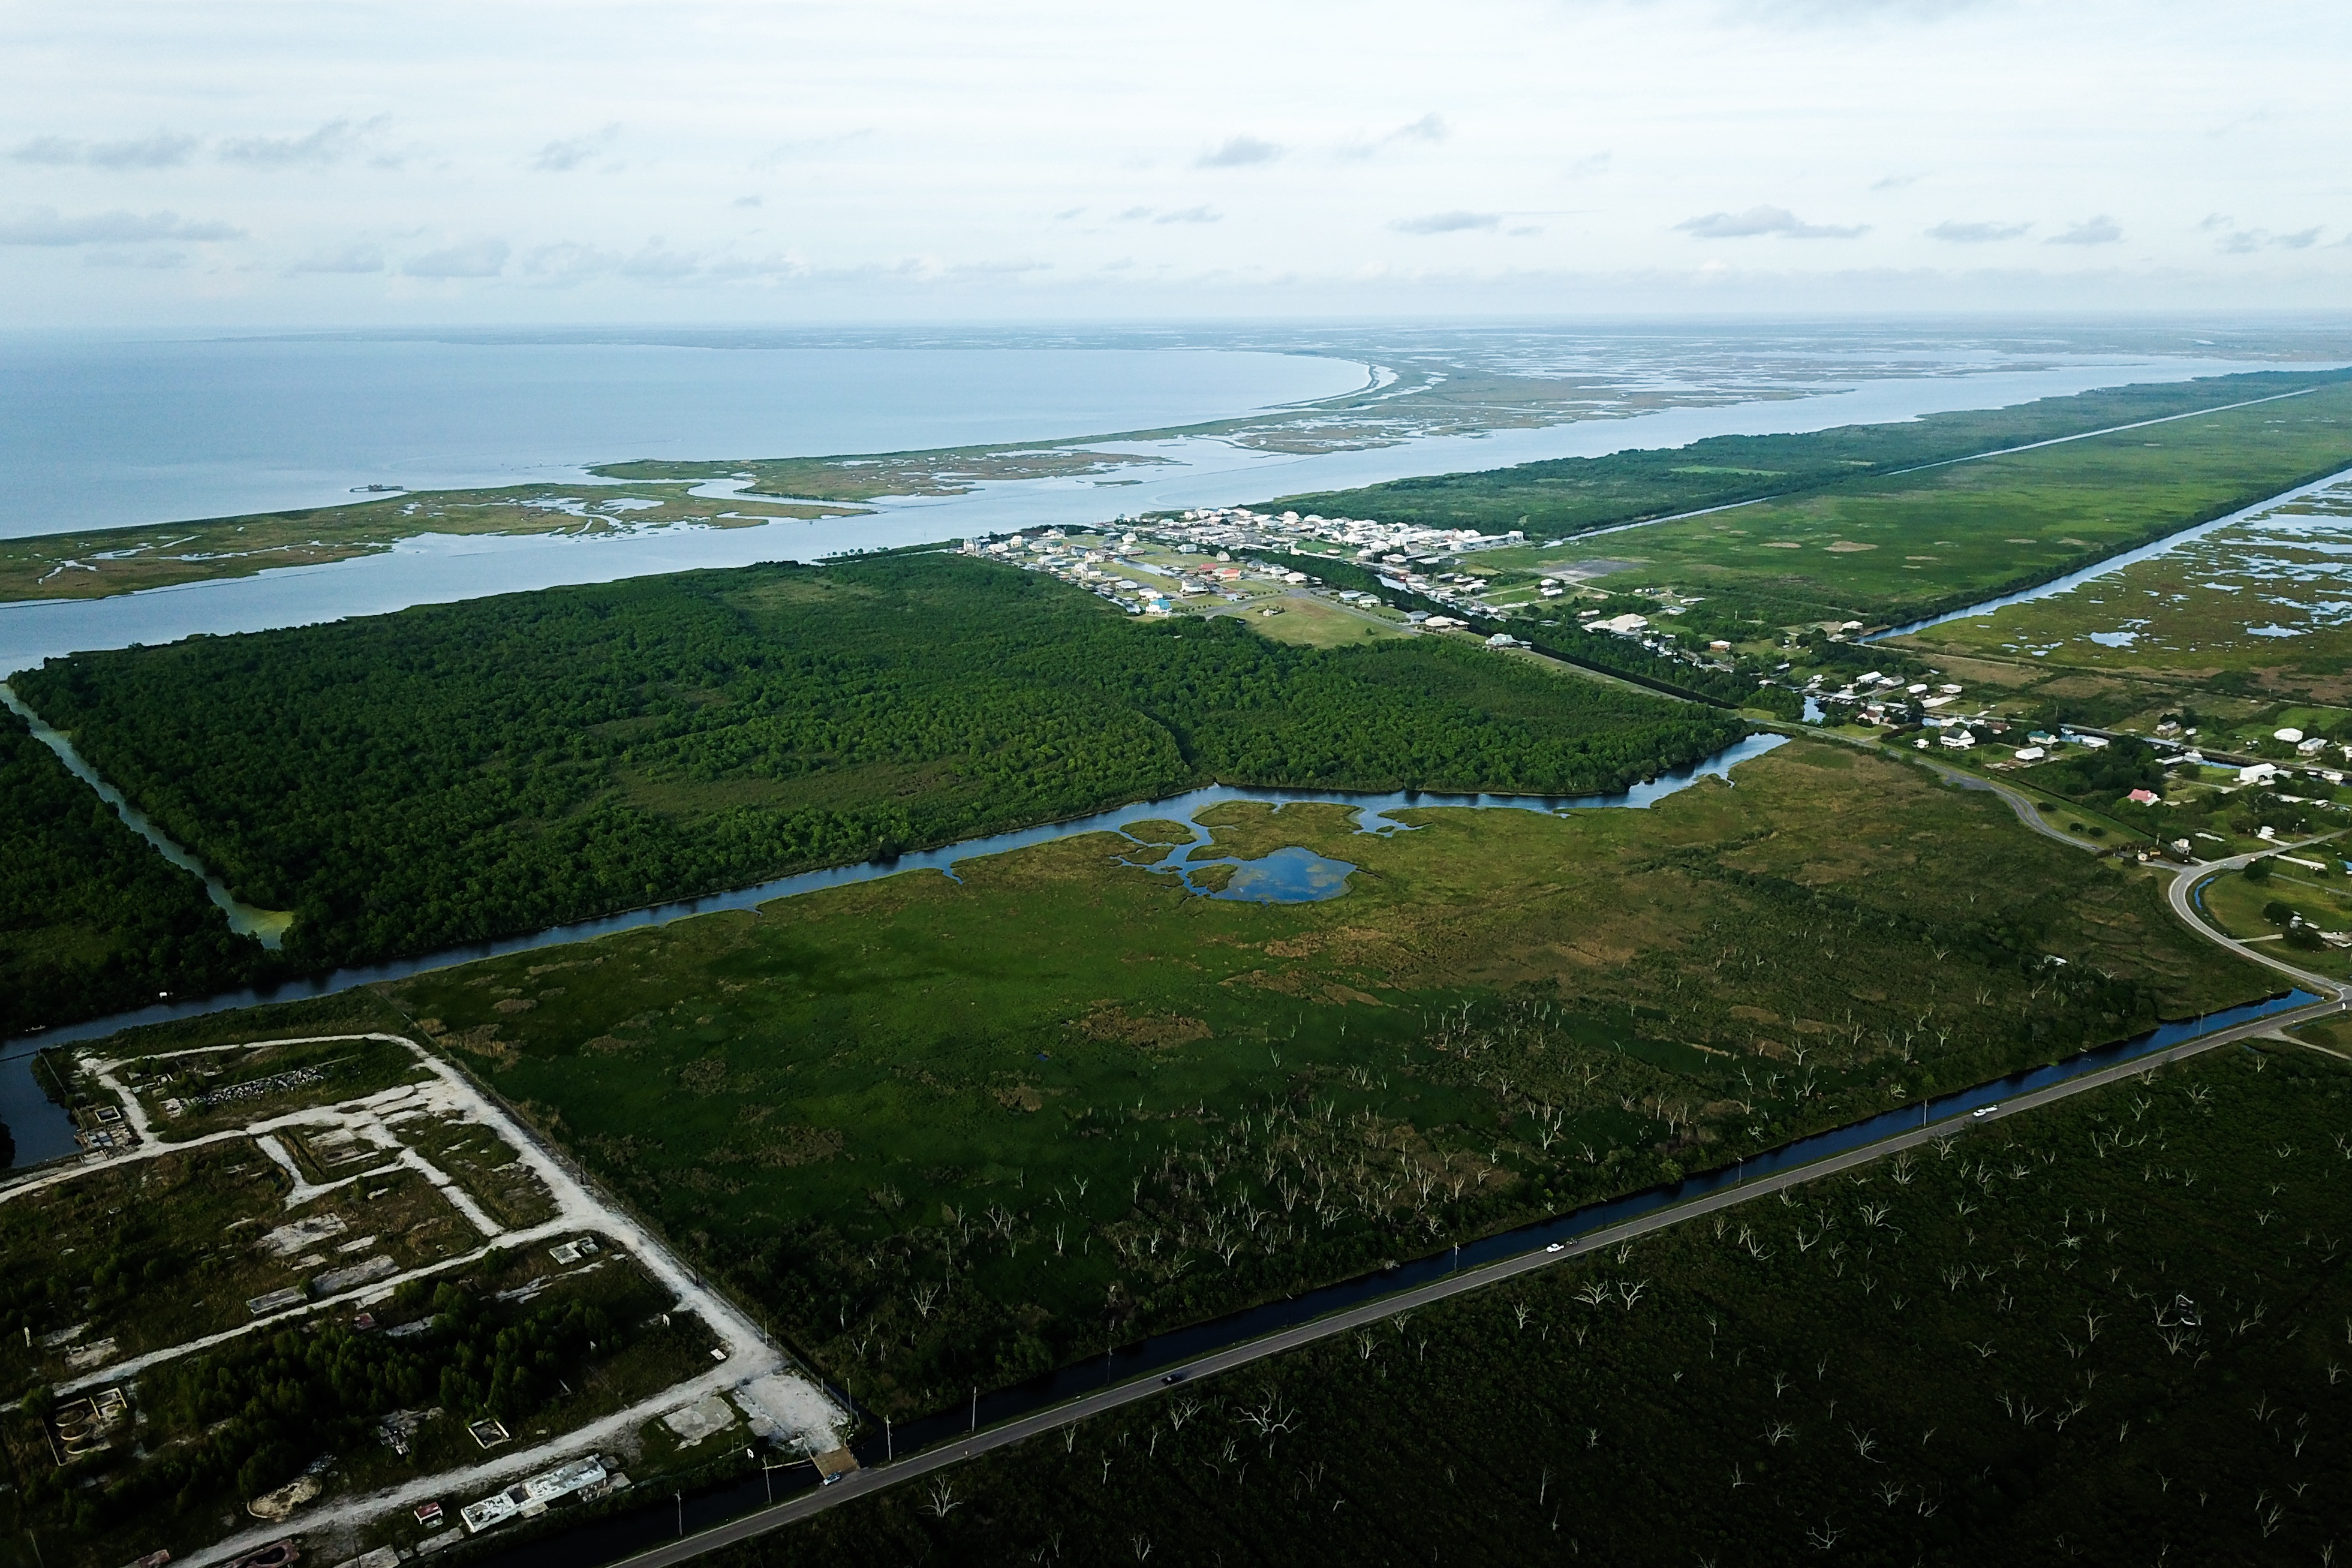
(1573, 495)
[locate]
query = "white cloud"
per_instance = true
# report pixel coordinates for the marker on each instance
(1960, 233)
(44, 226)
(2101, 230)
(332, 143)
(162, 150)
(471, 258)
(1238, 153)
(1428, 130)
(562, 157)
(355, 257)
(900, 149)
(2244, 242)
(1757, 221)
(1446, 222)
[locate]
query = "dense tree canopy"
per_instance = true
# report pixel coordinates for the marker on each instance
(459, 772)
(92, 918)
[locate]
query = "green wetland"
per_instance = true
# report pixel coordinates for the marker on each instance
(947, 1133)
(2110, 1331)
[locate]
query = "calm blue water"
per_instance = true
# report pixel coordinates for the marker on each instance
(96, 433)
(1288, 876)
(300, 423)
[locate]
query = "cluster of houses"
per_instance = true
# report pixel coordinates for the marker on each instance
(1390, 544)
(1110, 568)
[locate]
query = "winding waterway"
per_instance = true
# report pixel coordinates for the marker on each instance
(43, 1131)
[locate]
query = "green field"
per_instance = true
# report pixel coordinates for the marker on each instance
(2255, 609)
(1975, 1353)
(955, 1132)
(459, 772)
(92, 919)
(2263, 910)
(1894, 549)
(1569, 495)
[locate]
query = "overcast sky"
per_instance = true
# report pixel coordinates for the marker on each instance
(203, 162)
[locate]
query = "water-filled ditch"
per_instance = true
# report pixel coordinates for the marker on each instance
(608, 1539)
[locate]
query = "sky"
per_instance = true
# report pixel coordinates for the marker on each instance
(347, 162)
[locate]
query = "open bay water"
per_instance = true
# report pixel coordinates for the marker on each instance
(102, 433)
(628, 414)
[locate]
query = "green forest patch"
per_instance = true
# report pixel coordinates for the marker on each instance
(92, 920)
(460, 772)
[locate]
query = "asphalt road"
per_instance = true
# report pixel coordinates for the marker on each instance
(862, 1482)
(915, 1467)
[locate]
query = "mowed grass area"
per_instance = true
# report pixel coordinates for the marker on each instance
(1894, 549)
(2260, 910)
(1313, 623)
(2259, 606)
(2108, 1332)
(956, 1131)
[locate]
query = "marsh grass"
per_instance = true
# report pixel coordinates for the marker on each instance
(947, 1131)
(2111, 1331)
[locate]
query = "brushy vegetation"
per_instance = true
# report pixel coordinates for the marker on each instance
(92, 920)
(1571, 494)
(466, 771)
(223, 1427)
(956, 1131)
(2107, 1331)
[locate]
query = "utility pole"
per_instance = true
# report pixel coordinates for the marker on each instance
(889, 1447)
(975, 1410)
(681, 1514)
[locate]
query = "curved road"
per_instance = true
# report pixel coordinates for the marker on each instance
(860, 1483)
